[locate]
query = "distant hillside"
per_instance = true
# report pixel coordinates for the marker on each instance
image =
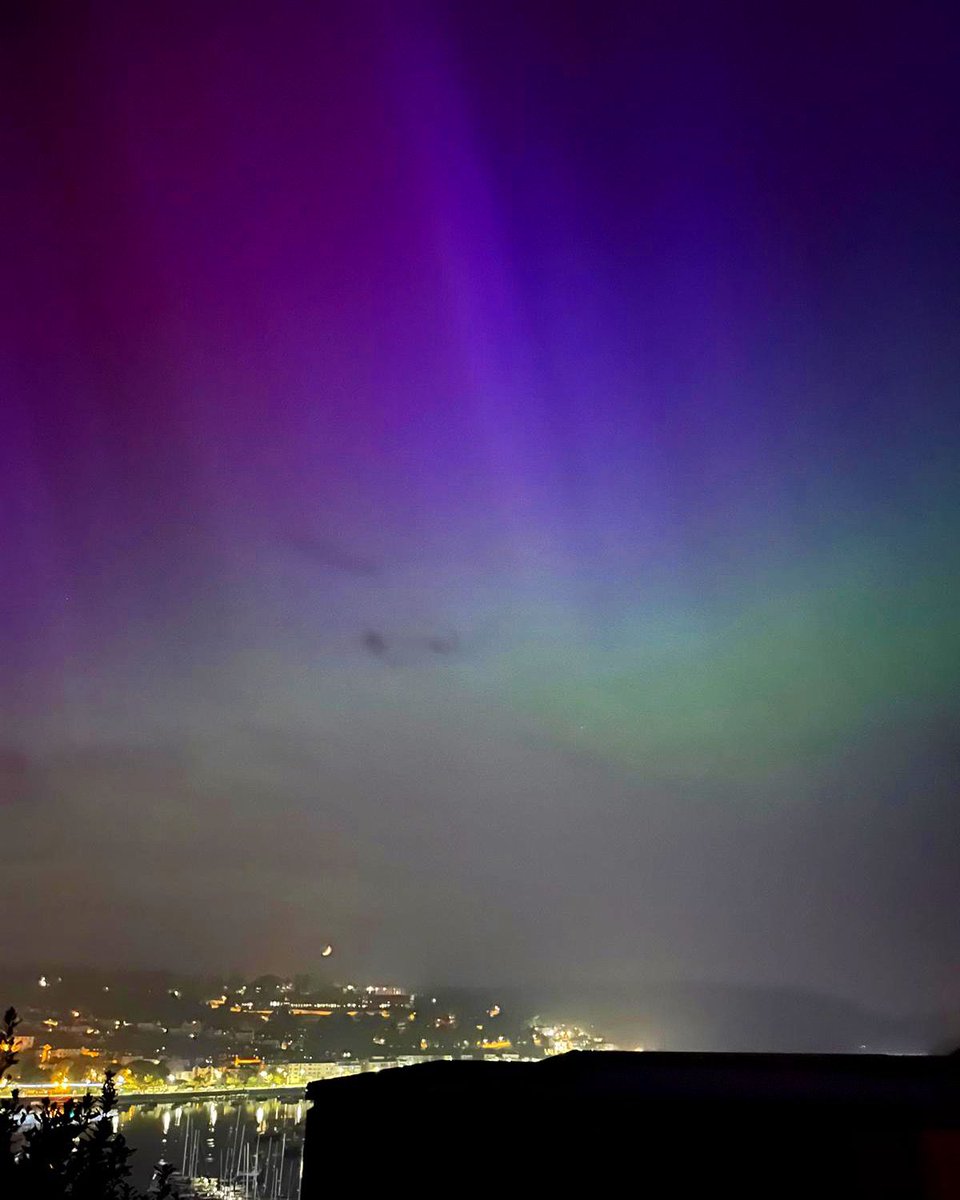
(661, 1016)
(716, 1016)
(701, 1016)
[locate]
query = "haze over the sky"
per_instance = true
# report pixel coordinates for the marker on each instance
(478, 487)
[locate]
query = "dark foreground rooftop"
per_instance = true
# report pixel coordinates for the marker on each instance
(659, 1125)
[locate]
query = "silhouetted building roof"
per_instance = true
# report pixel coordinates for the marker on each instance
(817, 1125)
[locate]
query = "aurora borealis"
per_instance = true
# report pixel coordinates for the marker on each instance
(479, 488)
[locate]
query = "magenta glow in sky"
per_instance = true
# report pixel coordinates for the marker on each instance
(479, 488)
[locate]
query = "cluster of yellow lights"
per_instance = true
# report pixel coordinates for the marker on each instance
(562, 1039)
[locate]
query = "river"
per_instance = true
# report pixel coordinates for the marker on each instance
(208, 1136)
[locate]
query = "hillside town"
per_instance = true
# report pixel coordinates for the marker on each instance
(259, 1033)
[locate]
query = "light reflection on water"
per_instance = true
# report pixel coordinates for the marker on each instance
(209, 1136)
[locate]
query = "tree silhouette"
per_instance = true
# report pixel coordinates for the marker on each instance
(63, 1150)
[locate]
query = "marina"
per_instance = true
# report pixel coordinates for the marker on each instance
(241, 1148)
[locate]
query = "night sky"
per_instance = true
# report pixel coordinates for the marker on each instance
(479, 487)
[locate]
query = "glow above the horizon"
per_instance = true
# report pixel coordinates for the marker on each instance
(491, 477)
